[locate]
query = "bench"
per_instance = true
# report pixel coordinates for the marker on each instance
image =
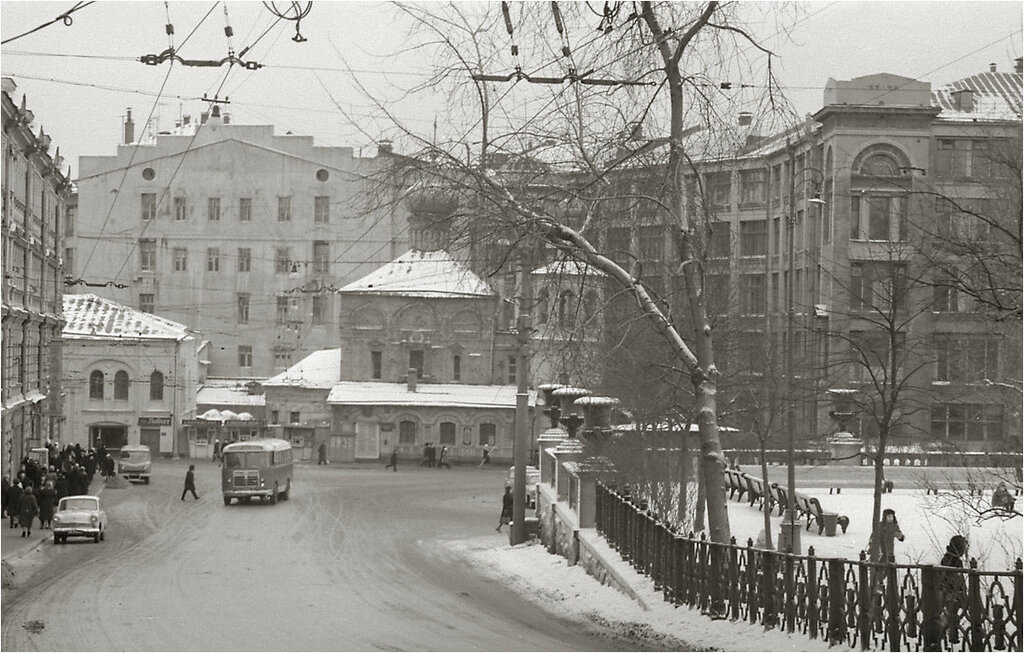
(826, 521)
(777, 496)
(803, 506)
(737, 486)
(755, 490)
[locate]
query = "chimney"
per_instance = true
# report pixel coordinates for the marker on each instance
(384, 148)
(992, 67)
(745, 118)
(203, 117)
(411, 379)
(1018, 65)
(129, 128)
(963, 99)
(227, 118)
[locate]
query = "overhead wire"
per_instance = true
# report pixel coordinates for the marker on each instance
(64, 17)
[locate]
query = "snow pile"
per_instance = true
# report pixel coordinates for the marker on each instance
(570, 592)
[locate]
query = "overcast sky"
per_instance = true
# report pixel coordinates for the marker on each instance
(81, 101)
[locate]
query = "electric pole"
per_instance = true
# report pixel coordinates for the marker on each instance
(522, 435)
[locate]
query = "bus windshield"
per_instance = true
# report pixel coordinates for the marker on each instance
(246, 459)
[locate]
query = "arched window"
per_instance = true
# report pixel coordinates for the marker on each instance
(447, 433)
(407, 432)
(456, 372)
(488, 434)
(543, 298)
(96, 385)
(880, 165)
(156, 386)
(121, 385)
(565, 308)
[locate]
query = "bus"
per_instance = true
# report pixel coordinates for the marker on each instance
(256, 468)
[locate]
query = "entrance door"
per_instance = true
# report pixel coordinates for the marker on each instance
(111, 436)
(367, 441)
(150, 438)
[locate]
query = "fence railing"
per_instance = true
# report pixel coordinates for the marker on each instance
(854, 602)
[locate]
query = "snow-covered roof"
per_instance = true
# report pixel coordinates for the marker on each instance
(441, 395)
(996, 96)
(666, 426)
(422, 274)
(321, 369)
(89, 316)
(228, 392)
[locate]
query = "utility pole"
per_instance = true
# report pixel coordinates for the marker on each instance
(789, 538)
(522, 435)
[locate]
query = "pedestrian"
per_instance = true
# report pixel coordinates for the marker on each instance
(432, 455)
(27, 511)
(47, 500)
(1001, 499)
(216, 449)
(443, 459)
(487, 457)
(3, 496)
(13, 496)
(426, 455)
(506, 508)
(190, 483)
(888, 532)
(952, 588)
(393, 460)
(322, 454)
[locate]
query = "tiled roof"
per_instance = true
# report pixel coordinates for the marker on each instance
(441, 395)
(89, 316)
(997, 96)
(422, 274)
(321, 369)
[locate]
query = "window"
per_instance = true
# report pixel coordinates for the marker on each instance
(245, 356)
(488, 434)
(953, 158)
(213, 208)
(652, 244)
(719, 185)
(147, 254)
(180, 209)
(156, 386)
(878, 217)
(416, 362)
(753, 296)
(69, 260)
(121, 385)
(275, 416)
(875, 285)
(321, 209)
(967, 422)
(284, 209)
(566, 308)
(321, 258)
(282, 260)
(148, 207)
(213, 259)
(966, 358)
(753, 238)
(376, 364)
(245, 209)
(618, 246)
(963, 222)
(243, 308)
(293, 417)
(147, 302)
(96, 385)
(721, 240)
(407, 432)
(946, 298)
(446, 434)
(319, 311)
(543, 299)
(870, 355)
(244, 259)
(282, 359)
(180, 259)
(287, 308)
(456, 371)
(752, 190)
(512, 367)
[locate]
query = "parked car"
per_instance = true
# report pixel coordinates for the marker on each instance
(80, 515)
(532, 479)
(134, 463)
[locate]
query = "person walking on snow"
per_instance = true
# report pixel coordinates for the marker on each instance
(27, 511)
(506, 508)
(888, 532)
(322, 454)
(190, 483)
(487, 457)
(443, 459)
(393, 461)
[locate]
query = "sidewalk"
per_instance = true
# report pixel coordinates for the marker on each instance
(14, 546)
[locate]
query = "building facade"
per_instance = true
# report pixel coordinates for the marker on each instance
(296, 402)
(241, 233)
(34, 192)
(130, 377)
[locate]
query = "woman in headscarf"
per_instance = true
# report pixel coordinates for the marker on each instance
(28, 508)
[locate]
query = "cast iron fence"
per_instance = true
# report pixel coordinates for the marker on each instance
(868, 605)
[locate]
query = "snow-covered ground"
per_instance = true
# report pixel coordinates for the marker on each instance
(569, 591)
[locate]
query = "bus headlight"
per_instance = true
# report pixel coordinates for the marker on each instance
(94, 519)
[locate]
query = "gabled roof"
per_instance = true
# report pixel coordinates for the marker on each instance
(422, 274)
(321, 369)
(997, 96)
(89, 316)
(439, 395)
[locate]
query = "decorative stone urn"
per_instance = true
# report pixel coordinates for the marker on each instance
(844, 447)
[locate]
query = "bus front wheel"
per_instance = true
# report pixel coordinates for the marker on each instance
(287, 491)
(273, 495)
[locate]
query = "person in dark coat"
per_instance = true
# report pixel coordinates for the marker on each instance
(13, 496)
(393, 461)
(952, 587)
(442, 460)
(3, 496)
(426, 456)
(27, 511)
(47, 500)
(190, 483)
(888, 532)
(506, 508)
(321, 454)
(216, 449)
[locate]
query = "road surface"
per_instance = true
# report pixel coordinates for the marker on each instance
(354, 560)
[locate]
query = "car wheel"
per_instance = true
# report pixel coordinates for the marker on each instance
(227, 501)
(56, 538)
(273, 495)
(287, 491)
(103, 535)
(146, 480)
(96, 538)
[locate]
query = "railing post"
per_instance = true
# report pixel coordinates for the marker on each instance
(716, 575)
(752, 587)
(734, 586)
(931, 609)
(892, 602)
(863, 603)
(769, 615)
(836, 602)
(790, 584)
(1016, 640)
(689, 557)
(974, 608)
(812, 594)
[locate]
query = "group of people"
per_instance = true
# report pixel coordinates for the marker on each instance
(434, 458)
(36, 490)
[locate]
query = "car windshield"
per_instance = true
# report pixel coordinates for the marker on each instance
(246, 459)
(135, 455)
(79, 504)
